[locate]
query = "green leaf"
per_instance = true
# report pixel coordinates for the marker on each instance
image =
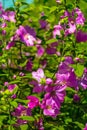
(53, 9)
(28, 118)
(79, 124)
(51, 41)
(70, 89)
(2, 117)
(68, 120)
(14, 104)
(11, 128)
(24, 127)
(21, 101)
(23, 64)
(15, 81)
(79, 70)
(61, 128)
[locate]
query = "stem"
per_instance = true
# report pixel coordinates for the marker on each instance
(10, 128)
(13, 2)
(21, 50)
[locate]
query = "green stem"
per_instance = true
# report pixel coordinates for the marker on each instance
(13, 2)
(10, 128)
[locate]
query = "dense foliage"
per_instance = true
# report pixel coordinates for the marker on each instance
(43, 65)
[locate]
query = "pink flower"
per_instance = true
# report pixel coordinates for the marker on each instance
(85, 127)
(21, 110)
(66, 75)
(81, 36)
(50, 107)
(71, 29)
(33, 102)
(38, 75)
(51, 50)
(10, 44)
(1, 10)
(52, 100)
(56, 31)
(80, 19)
(27, 35)
(76, 98)
(38, 88)
(83, 80)
(43, 24)
(9, 16)
(11, 87)
(58, 1)
(39, 124)
(29, 65)
(40, 50)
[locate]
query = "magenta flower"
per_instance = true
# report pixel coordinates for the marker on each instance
(10, 44)
(83, 81)
(75, 18)
(1, 10)
(27, 35)
(58, 1)
(66, 76)
(43, 63)
(38, 88)
(11, 87)
(14, 96)
(3, 32)
(39, 124)
(52, 100)
(49, 81)
(6, 83)
(3, 25)
(85, 127)
(29, 65)
(76, 98)
(50, 107)
(43, 24)
(21, 74)
(33, 102)
(20, 122)
(40, 51)
(69, 60)
(21, 111)
(71, 29)
(81, 36)
(66, 14)
(57, 93)
(38, 75)
(57, 30)
(80, 19)
(9, 16)
(51, 50)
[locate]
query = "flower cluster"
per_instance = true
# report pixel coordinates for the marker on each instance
(42, 66)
